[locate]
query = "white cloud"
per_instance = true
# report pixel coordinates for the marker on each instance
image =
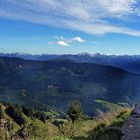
(78, 39)
(59, 43)
(59, 37)
(70, 40)
(62, 43)
(101, 29)
(117, 8)
(89, 16)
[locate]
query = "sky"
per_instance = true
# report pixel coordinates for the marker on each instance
(70, 26)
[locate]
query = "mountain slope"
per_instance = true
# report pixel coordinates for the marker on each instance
(57, 83)
(126, 62)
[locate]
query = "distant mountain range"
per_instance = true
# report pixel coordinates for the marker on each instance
(58, 82)
(126, 62)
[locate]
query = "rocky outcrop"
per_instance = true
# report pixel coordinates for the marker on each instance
(131, 128)
(3, 123)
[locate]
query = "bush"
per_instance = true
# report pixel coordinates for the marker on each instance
(74, 111)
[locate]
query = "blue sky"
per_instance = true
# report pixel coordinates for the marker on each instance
(70, 26)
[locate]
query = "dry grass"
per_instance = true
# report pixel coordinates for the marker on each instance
(108, 117)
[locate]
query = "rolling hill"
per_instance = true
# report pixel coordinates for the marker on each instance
(57, 83)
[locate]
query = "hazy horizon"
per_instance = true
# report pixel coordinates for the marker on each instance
(82, 53)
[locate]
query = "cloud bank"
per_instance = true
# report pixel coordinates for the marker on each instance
(95, 17)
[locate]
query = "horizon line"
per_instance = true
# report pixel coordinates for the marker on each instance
(83, 53)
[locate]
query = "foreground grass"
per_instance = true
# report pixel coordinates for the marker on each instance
(106, 126)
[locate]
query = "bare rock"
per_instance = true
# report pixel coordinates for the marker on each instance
(131, 128)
